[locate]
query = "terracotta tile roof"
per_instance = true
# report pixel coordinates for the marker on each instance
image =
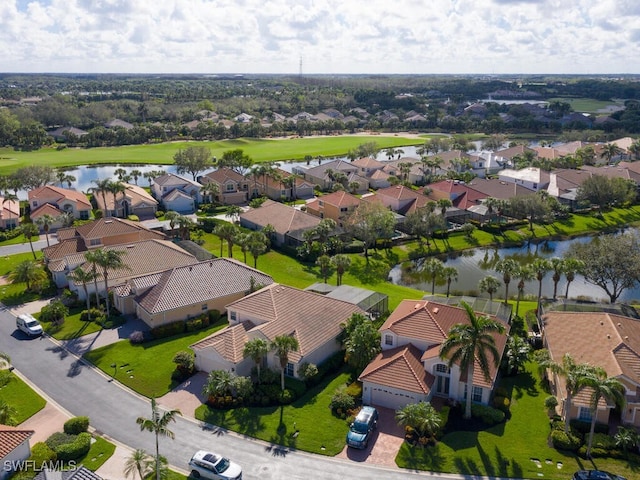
(513, 151)
(282, 217)
(45, 209)
(229, 343)
(174, 194)
(430, 323)
(9, 209)
(399, 192)
(618, 171)
(312, 318)
(339, 198)
(400, 368)
(11, 438)
(368, 162)
(51, 194)
(223, 175)
(136, 195)
(495, 188)
(112, 226)
(65, 247)
(199, 283)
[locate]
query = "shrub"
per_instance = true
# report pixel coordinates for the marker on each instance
(355, 390)
(76, 449)
(59, 438)
(341, 401)
(286, 397)
(488, 415)
(214, 316)
(133, 218)
(91, 315)
(604, 441)
(193, 325)
(136, 338)
(307, 371)
(168, 329)
(502, 404)
(585, 427)
(184, 362)
(563, 441)
(42, 453)
(501, 392)
(54, 313)
(551, 402)
(76, 425)
(5, 377)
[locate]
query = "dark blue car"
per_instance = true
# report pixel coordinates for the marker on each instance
(362, 428)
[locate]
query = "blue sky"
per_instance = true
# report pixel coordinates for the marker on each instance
(331, 36)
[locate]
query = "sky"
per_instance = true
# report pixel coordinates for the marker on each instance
(321, 36)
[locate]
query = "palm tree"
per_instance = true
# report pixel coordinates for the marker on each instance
(233, 213)
(5, 360)
(257, 244)
(185, 224)
(11, 197)
(219, 382)
(626, 438)
(468, 343)
(136, 174)
(557, 265)
(45, 221)
(172, 217)
(489, 284)
(449, 274)
(102, 187)
(433, 269)
(29, 230)
(28, 272)
(540, 267)
(227, 232)
(604, 388)
(517, 353)
(120, 173)
(420, 416)
(341, 263)
(7, 413)
(138, 463)
(109, 260)
(324, 263)
(92, 257)
(508, 267)
(571, 266)
(115, 188)
(610, 150)
(282, 345)
(443, 204)
(524, 275)
(79, 275)
(256, 349)
(157, 425)
(210, 191)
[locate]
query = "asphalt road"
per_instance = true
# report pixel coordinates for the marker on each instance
(113, 410)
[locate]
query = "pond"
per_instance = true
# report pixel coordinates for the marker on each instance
(473, 265)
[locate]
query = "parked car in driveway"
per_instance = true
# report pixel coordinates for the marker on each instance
(362, 428)
(596, 475)
(29, 325)
(209, 465)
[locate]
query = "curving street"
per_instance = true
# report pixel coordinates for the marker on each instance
(113, 409)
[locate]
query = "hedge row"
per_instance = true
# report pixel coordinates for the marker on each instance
(182, 326)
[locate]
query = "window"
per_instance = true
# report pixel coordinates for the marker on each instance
(288, 371)
(84, 215)
(321, 203)
(535, 185)
(95, 241)
(477, 394)
(232, 316)
(35, 203)
(479, 164)
(584, 414)
(204, 307)
(388, 339)
(442, 368)
(230, 187)
(344, 209)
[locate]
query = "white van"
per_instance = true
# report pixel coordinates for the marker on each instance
(29, 325)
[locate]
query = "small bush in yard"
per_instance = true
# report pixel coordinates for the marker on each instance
(54, 313)
(488, 415)
(184, 363)
(91, 315)
(76, 449)
(563, 441)
(341, 401)
(76, 425)
(136, 338)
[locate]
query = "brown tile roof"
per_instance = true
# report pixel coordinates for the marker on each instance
(199, 283)
(368, 162)
(136, 195)
(312, 318)
(400, 368)
(11, 438)
(45, 209)
(339, 198)
(430, 323)
(229, 343)
(513, 151)
(282, 217)
(496, 188)
(223, 175)
(399, 192)
(49, 193)
(9, 209)
(66, 247)
(112, 226)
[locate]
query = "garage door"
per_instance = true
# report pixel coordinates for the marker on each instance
(391, 399)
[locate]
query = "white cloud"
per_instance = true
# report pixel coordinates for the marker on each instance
(332, 36)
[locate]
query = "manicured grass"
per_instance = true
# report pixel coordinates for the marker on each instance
(16, 294)
(506, 450)
(260, 150)
(100, 451)
(72, 327)
(320, 431)
(147, 368)
(17, 240)
(586, 105)
(21, 397)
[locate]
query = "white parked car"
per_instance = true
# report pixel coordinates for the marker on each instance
(29, 325)
(209, 465)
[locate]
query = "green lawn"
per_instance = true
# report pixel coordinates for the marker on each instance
(586, 105)
(21, 397)
(100, 451)
(16, 294)
(17, 240)
(320, 431)
(147, 368)
(72, 327)
(261, 150)
(506, 450)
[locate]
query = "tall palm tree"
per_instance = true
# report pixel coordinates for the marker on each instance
(433, 269)
(210, 191)
(489, 284)
(540, 267)
(524, 275)
(256, 349)
(137, 462)
(157, 425)
(604, 388)
(282, 345)
(324, 263)
(109, 260)
(557, 266)
(342, 263)
(115, 188)
(136, 174)
(45, 221)
(28, 272)
(79, 275)
(610, 150)
(508, 267)
(92, 257)
(468, 343)
(449, 274)
(11, 197)
(101, 188)
(227, 232)
(30, 230)
(172, 217)
(570, 267)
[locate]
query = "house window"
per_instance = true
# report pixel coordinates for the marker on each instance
(321, 203)
(442, 368)
(288, 371)
(84, 215)
(204, 307)
(230, 187)
(344, 209)
(35, 203)
(232, 316)
(388, 339)
(95, 241)
(479, 164)
(584, 414)
(477, 394)
(535, 185)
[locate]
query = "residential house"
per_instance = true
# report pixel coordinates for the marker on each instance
(533, 178)
(177, 193)
(401, 199)
(133, 201)
(337, 206)
(414, 175)
(374, 303)
(14, 448)
(62, 134)
(139, 258)
(564, 184)
(505, 156)
(233, 188)
(325, 175)
(409, 368)
(279, 189)
(55, 201)
(289, 223)
(314, 320)
(79, 473)
(606, 340)
(188, 291)
(9, 213)
(117, 123)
